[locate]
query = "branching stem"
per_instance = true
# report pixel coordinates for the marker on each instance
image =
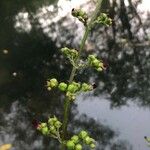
(74, 69)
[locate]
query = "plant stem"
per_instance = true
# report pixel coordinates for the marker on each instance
(74, 69)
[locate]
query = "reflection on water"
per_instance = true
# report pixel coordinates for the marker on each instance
(131, 121)
(29, 54)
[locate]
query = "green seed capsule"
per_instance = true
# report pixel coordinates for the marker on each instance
(74, 12)
(43, 125)
(74, 53)
(78, 147)
(99, 69)
(83, 134)
(55, 119)
(86, 87)
(95, 63)
(70, 145)
(52, 129)
(62, 86)
(75, 139)
(87, 140)
(50, 121)
(44, 130)
(71, 88)
(58, 124)
(91, 57)
(92, 146)
(81, 13)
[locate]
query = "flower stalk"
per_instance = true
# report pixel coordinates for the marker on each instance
(74, 69)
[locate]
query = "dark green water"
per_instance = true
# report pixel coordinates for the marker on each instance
(117, 113)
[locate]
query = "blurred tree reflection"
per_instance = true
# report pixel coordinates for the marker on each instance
(34, 56)
(21, 133)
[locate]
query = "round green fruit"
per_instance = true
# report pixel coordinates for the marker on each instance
(92, 146)
(70, 145)
(44, 130)
(83, 134)
(78, 147)
(75, 139)
(62, 86)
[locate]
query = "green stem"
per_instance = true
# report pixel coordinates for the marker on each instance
(74, 69)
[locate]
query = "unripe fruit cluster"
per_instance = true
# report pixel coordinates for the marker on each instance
(70, 89)
(74, 87)
(95, 63)
(51, 127)
(104, 19)
(81, 15)
(69, 53)
(76, 141)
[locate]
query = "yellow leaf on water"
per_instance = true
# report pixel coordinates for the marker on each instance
(5, 147)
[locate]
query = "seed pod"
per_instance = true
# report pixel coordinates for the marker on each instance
(91, 57)
(65, 50)
(71, 88)
(43, 125)
(95, 63)
(78, 147)
(52, 130)
(58, 124)
(88, 140)
(83, 134)
(74, 12)
(62, 86)
(92, 146)
(44, 130)
(85, 87)
(75, 139)
(74, 53)
(99, 69)
(50, 121)
(70, 145)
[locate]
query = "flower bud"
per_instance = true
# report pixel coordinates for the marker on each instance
(39, 127)
(75, 139)
(78, 147)
(62, 86)
(49, 88)
(53, 82)
(83, 134)
(71, 96)
(70, 145)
